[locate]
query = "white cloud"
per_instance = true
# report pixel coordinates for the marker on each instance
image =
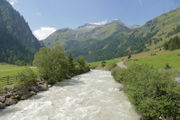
(12, 2)
(43, 32)
(38, 14)
(100, 23)
(140, 2)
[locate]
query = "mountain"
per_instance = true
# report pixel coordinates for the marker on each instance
(16, 39)
(117, 39)
(85, 32)
(88, 25)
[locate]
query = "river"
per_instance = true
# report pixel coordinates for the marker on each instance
(90, 96)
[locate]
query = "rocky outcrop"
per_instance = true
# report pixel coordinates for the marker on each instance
(11, 96)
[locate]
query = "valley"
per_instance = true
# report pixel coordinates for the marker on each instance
(96, 71)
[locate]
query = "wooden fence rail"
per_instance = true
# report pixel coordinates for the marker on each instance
(8, 80)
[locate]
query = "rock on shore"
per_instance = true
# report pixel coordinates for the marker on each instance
(14, 94)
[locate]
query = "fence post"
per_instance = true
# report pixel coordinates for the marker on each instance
(7, 79)
(16, 78)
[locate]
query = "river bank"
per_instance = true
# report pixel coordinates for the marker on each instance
(13, 94)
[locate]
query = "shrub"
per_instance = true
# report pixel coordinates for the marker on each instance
(167, 66)
(26, 76)
(129, 56)
(136, 60)
(103, 63)
(153, 93)
(111, 66)
(81, 66)
(153, 54)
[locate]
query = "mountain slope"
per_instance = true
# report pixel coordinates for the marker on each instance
(85, 32)
(16, 39)
(116, 39)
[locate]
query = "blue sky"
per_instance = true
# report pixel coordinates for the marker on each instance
(46, 16)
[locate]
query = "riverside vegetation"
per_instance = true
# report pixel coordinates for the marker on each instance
(154, 94)
(52, 67)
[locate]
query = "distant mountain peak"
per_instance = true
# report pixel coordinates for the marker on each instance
(119, 21)
(88, 25)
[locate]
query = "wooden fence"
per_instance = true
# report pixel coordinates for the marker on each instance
(8, 80)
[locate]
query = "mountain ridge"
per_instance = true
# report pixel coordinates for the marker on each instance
(16, 39)
(114, 39)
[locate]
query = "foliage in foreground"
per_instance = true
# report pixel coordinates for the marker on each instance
(153, 93)
(26, 76)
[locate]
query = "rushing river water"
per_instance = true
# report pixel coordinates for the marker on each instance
(91, 96)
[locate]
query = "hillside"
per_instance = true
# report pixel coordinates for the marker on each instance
(158, 30)
(158, 61)
(16, 39)
(85, 41)
(84, 32)
(117, 39)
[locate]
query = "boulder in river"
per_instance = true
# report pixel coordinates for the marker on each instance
(33, 93)
(26, 96)
(68, 77)
(43, 87)
(2, 99)
(34, 88)
(2, 105)
(10, 101)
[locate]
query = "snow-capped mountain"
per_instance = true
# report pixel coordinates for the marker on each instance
(88, 25)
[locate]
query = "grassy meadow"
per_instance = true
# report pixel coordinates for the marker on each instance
(159, 60)
(10, 70)
(107, 62)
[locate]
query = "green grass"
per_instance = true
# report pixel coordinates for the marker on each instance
(159, 61)
(11, 70)
(107, 62)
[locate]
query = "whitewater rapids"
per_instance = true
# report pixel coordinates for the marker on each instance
(91, 96)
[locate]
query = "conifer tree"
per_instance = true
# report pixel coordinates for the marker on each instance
(166, 46)
(71, 64)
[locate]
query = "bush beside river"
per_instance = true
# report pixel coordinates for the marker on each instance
(154, 94)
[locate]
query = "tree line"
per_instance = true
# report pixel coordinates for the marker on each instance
(173, 44)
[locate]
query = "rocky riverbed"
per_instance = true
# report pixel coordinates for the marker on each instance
(13, 94)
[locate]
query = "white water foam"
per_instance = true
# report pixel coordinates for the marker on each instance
(91, 96)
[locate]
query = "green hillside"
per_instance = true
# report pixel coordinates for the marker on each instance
(98, 33)
(115, 39)
(16, 39)
(159, 61)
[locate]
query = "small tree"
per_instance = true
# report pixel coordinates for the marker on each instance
(53, 65)
(81, 66)
(167, 66)
(71, 64)
(103, 64)
(129, 56)
(166, 46)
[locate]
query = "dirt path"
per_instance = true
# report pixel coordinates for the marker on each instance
(121, 65)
